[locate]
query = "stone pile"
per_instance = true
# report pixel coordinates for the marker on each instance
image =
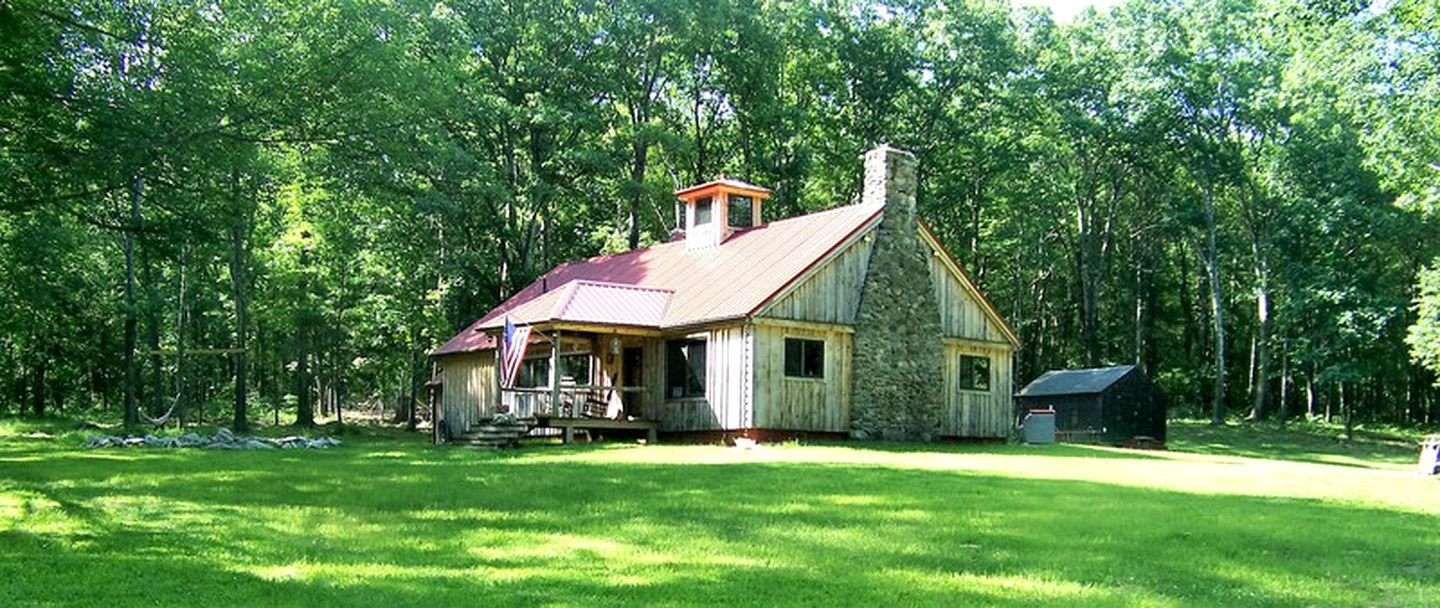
(223, 439)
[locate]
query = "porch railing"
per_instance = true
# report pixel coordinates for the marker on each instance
(574, 401)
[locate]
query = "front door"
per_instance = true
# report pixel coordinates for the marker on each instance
(632, 375)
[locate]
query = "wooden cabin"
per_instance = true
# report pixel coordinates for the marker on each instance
(1116, 405)
(850, 322)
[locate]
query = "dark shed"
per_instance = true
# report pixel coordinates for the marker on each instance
(1116, 404)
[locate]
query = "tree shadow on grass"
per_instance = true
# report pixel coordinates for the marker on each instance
(419, 526)
(1059, 450)
(1296, 442)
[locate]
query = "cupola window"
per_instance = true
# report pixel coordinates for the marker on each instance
(703, 211)
(739, 211)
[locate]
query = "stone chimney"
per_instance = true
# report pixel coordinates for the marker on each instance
(890, 180)
(899, 351)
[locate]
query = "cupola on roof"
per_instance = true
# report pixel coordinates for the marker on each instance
(715, 209)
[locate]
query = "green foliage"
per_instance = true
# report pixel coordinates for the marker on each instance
(341, 185)
(1424, 338)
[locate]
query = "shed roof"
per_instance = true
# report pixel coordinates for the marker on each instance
(1075, 381)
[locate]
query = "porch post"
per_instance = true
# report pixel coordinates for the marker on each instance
(555, 374)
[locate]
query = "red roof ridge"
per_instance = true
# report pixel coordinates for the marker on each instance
(620, 254)
(564, 300)
(619, 285)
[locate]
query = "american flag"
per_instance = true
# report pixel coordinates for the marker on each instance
(515, 341)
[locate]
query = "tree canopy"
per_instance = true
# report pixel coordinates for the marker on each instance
(209, 199)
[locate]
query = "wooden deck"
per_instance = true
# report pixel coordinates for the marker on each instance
(568, 426)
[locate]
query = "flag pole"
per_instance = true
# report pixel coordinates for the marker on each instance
(500, 366)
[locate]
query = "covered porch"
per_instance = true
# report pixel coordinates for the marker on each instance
(581, 377)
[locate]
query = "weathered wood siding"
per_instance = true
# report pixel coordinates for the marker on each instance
(802, 404)
(468, 389)
(970, 331)
(973, 413)
(832, 293)
(961, 315)
(726, 404)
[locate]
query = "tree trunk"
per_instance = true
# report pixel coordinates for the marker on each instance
(305, 409)
(1089, 278)
(181, 323)
(1217, 301)
(1262, 342)
(151, 394)
(1310, 394)
(1285, 382)
(37, 386)
(1250, 369)
(640, 150)
(132, 411)
(1346, 406)
(240, 297)
(1142, 322)
(410, 420)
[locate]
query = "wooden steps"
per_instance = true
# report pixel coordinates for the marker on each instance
(494, 436)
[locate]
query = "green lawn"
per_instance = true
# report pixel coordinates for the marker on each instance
(389, 520)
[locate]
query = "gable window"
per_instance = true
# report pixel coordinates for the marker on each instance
(702, 211)
(534, 373)
(684, 369)
(804, 358)
(974, 373)
(740, 211)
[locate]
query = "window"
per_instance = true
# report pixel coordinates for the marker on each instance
(684, 369)
(804, 358)
(576, 368)
(974, 373)
(534, 373)
(702, 211)
(739, 212)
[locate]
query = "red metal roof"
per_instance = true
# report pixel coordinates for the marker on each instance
(582, 301)
(718, 283)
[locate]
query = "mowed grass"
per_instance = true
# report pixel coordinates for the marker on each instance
(392, 521)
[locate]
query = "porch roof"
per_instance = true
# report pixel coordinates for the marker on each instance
(582, 301)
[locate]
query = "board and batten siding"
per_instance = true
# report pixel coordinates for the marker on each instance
(802, 404)
(831, 294)
(969, 330)
(976, 413)
(961, 315)
(726, 403)
(467, 391)
(822, 306)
